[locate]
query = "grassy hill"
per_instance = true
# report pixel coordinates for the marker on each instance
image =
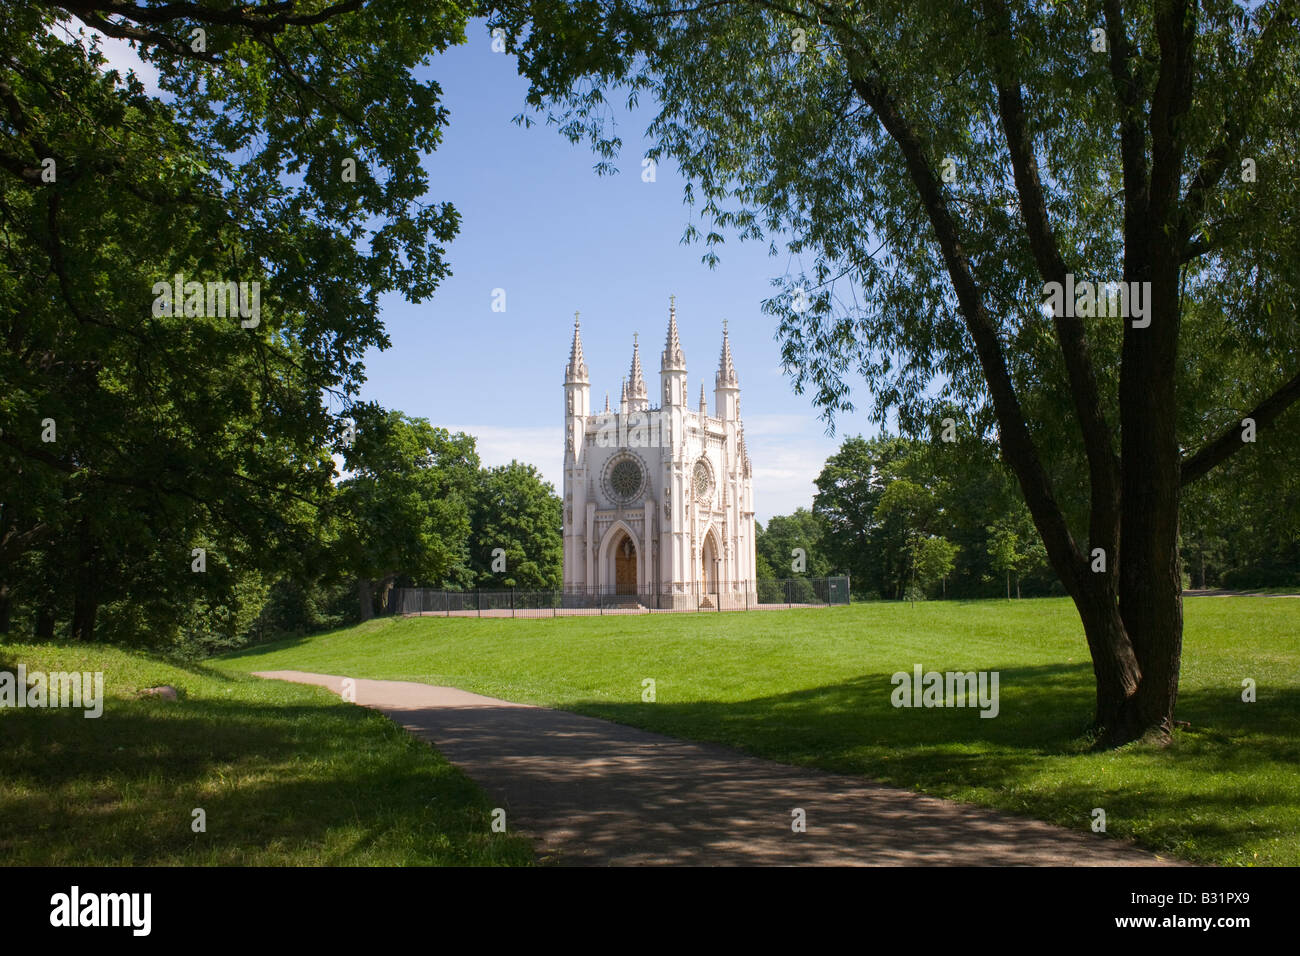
(288, 775)
(812, 687)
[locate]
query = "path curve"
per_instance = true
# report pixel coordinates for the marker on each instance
(593, 792)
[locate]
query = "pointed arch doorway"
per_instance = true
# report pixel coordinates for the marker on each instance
(625, 569)
(709, 565)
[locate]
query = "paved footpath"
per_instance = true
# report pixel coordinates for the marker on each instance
(591, 792)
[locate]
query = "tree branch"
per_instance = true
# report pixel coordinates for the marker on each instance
(1228, 443)
(1237, 118)
(1017, 443)
(1103, 465)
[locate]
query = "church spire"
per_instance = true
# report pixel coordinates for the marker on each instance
(704, 407)
(673, 358)
(637, 391)
(726, 368)
(607, 402)
(576, 370)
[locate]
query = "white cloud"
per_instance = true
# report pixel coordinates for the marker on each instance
(541, 445)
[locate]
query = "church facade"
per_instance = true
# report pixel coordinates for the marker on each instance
(658, 500)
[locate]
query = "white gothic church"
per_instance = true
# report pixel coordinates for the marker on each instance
(658, 501)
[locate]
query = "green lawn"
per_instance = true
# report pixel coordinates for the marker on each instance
(813, 687)
(288, 775)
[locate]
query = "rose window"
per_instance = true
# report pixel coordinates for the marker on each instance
(703, 481)
(625, 479)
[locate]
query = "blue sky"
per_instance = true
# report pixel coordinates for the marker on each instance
(539, 223)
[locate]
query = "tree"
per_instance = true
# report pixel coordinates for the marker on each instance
(1014, 547)
(946, 167)
(518, 512)
(784, 535)
(933, 557)
(135, 428)
(407, 504)
(849, 488)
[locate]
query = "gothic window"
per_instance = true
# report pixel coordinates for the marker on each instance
(703, 480)
(625, 479)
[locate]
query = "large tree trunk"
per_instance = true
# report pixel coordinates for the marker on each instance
(365, 598)
(84, 610)
(1150, 575)
(385, 589)
(45, 620)
(85, 604)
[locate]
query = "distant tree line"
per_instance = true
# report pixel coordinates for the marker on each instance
(908, 518)
(414, 507)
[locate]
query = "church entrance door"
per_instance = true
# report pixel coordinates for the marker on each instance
(625, 567)
(709, 566)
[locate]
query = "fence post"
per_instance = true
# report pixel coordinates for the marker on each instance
(478, 601)
(512, 602)
(447, 598)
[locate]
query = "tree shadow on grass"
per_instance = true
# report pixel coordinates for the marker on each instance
(1226, 782)
(280, 784)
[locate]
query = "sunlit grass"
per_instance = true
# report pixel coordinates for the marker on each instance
(812, 687)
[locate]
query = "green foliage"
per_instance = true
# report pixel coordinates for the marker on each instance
(775, 546)
(933, 558)
(932, 169)
(408, 500)
(897, 508)
(518, 512)
(1014, 547)
(176, 431)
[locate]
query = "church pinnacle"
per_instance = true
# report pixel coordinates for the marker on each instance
(673, 358)
(576, 371)
(636, 389)
(726, 368)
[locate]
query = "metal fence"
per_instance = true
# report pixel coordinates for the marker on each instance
(734, 596)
